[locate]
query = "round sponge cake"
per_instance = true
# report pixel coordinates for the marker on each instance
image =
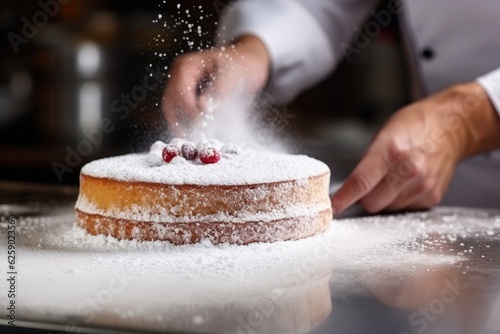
(247, 197)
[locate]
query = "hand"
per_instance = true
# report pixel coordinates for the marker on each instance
(412, 159)
(198, 76)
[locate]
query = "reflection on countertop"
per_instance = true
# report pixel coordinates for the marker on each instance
(424, 271)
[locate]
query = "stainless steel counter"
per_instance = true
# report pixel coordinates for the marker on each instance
(425, 272)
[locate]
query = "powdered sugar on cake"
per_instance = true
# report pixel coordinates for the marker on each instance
(247, 167)
(186, 193)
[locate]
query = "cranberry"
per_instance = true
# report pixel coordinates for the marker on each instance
(209, 155)
(169, 152)
(189, 152)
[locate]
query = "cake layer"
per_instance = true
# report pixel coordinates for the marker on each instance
(216, 232)
(153, 202)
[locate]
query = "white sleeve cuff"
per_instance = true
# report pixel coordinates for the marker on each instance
(491, 84)
(301, 53)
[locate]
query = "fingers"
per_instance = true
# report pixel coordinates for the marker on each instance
(380, 197)
(365, 177)
(197, 79)
(180, 99)
(421, 195)
(403, 181)
(422, 188)
(389, 180)
(387, 196)
(417, 191)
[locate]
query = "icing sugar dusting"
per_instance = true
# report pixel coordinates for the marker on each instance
(234, 113)
(248, 167)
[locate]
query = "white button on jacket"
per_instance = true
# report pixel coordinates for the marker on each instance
(451, 41)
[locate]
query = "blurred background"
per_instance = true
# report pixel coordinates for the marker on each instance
(74, 70)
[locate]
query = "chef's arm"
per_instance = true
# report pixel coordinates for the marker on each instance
(287, 44)
(412, 159)
(305, 38)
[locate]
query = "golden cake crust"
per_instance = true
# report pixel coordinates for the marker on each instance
(189, 213)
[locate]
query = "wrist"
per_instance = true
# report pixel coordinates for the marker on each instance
(250, 44)
(254, 51)
(473, 121)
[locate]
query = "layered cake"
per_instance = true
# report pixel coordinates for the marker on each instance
(186, 194)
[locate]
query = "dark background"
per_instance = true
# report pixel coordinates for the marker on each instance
(43, 92)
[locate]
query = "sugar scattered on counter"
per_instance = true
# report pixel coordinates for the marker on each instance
(378, 241)
(62, 266)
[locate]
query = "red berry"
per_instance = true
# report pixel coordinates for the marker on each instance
(209, 155)
(169, 152)
(189, 152)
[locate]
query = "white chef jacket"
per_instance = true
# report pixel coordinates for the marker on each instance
(451, 41)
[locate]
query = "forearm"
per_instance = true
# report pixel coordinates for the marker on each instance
(252, 48)
(484, 124)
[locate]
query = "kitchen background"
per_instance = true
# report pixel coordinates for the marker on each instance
(66, 64)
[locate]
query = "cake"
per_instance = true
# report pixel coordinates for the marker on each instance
(241, 197)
